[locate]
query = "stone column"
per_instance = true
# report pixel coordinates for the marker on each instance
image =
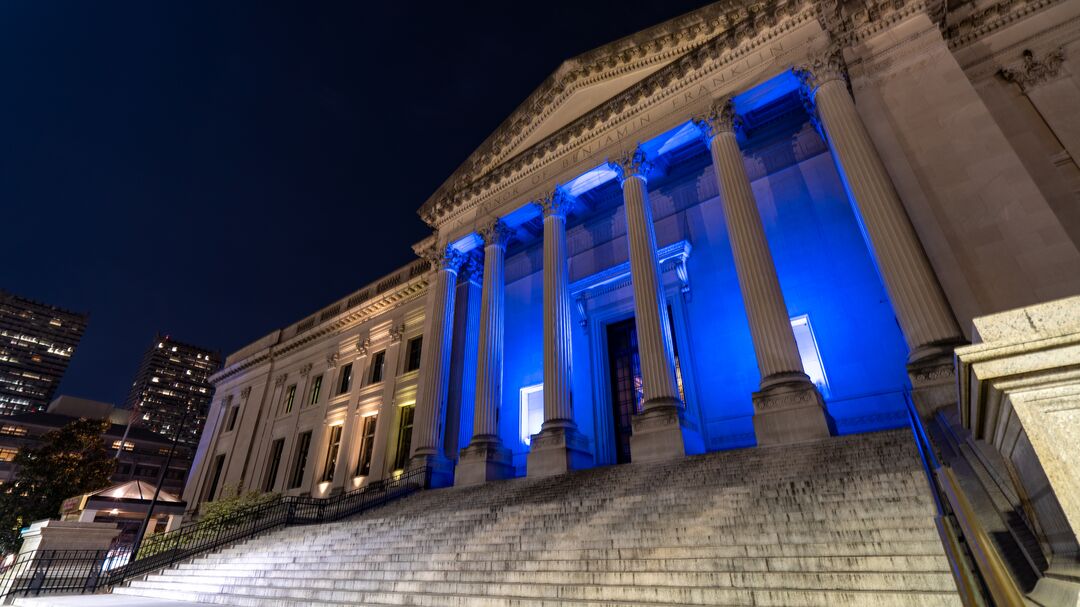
(434, 376)
(657, 433)
(485, 458)
(559, 447)
(788, 407)
(924, 315)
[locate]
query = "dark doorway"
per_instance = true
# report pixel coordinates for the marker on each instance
(627, 397)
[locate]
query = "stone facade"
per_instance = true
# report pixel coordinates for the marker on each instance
(754, 224)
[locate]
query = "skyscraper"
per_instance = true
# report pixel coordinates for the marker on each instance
(172, 389)
(36, 344)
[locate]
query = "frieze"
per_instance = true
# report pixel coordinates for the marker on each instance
(768, 401)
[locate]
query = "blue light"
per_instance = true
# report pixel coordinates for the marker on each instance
(591, 179)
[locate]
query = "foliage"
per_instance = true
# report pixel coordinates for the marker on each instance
(69, 462)
(217, 516)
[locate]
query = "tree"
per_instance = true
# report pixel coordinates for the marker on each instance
(70, 461)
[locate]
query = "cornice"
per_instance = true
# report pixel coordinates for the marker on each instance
(403, 294)
(758, 27)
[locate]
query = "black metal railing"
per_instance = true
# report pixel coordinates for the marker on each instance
(78, 571)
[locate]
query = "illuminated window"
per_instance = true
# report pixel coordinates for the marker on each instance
(10, 430)
(128, 445)
(532, 411)
(332, 453)
(404, 439)
(367, 445)
(808, 351)
(7, 454)
(303, 444)
(346, 379)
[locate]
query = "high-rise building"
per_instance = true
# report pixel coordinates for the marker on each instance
(172, 391)
(36, 344)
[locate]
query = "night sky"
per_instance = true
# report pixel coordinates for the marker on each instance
(216, 170)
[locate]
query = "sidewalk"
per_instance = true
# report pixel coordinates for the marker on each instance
(102, 600)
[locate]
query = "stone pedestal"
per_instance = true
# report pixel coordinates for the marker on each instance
(933, 380)
(661, 432)
(789, 412)
(45, 536)
(482, 461)
(441, 469)
(558, 451)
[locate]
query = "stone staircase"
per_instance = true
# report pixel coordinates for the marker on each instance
(846, 521)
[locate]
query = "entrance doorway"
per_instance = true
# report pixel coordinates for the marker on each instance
(627, 393)
(627, 397)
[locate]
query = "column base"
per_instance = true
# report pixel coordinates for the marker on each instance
(440, 469)
(661, 432)
(789, 412)
(482, 461)
(557, 451)
(932, 372)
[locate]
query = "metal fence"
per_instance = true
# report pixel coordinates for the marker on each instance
(79, 571)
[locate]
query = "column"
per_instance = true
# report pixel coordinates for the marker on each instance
(559, 447)
(657, 433)
(434, 376)
(788, 407)
(485, 458)
(924, 315)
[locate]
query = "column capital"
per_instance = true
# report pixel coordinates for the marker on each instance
(472, 270)
(558, 203)
(448, 258)
(720, 118)
(631, 163)
(495, 233)
(819, 70)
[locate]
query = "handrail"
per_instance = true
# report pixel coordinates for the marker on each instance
(87, 571)
(990, 575)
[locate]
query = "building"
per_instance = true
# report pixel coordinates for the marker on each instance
(37, 342)
(141, 453)
(756, 224)
(172, 391)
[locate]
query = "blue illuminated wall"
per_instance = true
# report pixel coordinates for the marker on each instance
(824, 267)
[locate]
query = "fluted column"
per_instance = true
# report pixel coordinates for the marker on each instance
(558, 447)
(434, 376)
(657, 431)
(924, 315)
(485, 458)
(788, 407)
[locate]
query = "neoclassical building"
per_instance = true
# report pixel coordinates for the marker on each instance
(758, 223)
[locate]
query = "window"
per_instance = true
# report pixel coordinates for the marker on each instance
(316, 388)
(808, 351)
(532, 411)
(8, 454)
(332, 453)
(290, 398)
(378, 361)
(9, 430)
(412, 354)
(303, 443)
(345, 382)
(275, 463)
(404, 439)
(128, 445)
(233, 413)
(367, 444)
(219, 462)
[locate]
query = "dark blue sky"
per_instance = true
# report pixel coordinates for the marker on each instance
(215, 170)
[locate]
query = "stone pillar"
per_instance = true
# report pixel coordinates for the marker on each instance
(657, 433)
(427, 445)
(559, 447)
(788, 407)
(485, 458)
(924, 315)
(50, 535)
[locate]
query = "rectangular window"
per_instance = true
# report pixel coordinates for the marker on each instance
(332, 453)
(275, 463)
(345, 382)
(290, 398)
(8, 454)
(532, 411)
(378, 361)
(303, 443)
(215, 476)
(367, 445)
(404, 439)
(412, 354)
(316, 388)
(233, 414)
(809, 353)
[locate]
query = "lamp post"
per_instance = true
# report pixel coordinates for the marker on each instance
(157, 491)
